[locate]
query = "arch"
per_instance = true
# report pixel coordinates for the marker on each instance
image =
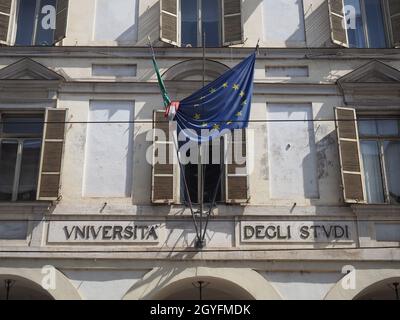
(160, 283)
(193, 69)
(64, 290)
(364, 279)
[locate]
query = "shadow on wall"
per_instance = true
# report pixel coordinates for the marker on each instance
(298, 34)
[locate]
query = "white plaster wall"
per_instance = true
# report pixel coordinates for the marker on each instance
(109, 146)
(103, 284)
(302, 285)
(283, 23)
(292, 152)
(116, 21)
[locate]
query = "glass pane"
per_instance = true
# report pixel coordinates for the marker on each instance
(8, 158)
(189, 22)
(367, 127)
(29, 170)
(26, 22)
(355, 29)
(372, 171)
(210, 22)
(388, 127)
(18, 125)
(375, 24)
(44, 32)
(392, 158)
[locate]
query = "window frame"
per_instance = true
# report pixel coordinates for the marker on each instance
(386, 23)
(382, 160)
(222, 165)
(200, 24)
(20, 141)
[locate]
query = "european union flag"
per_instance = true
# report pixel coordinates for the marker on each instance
(223, 104)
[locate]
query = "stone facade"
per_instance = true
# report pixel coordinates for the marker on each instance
(295, 238)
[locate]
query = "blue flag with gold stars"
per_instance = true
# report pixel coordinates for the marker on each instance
(224, 104)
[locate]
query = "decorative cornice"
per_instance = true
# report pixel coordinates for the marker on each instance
(212, 53)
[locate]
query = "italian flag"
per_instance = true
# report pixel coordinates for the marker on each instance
(170, 107)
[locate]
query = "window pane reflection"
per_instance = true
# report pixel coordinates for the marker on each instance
(43, 36)
(392, 158)
(8, 160)
(29, 170)
(372, 171)
(13, 124)
(210, 22)
(356, 35)
(189, 22)
(376, 26)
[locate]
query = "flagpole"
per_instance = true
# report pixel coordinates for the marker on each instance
(200, 240)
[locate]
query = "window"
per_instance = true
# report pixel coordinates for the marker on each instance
(380, 150)
(211, 174)
(183, 22)
(368, 29)
(200, 17)
(37, 22)
(167, 188)
(369, 23)
(369, 157)
(20, 146)
(29, 23)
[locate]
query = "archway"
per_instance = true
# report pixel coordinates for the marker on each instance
(368, 284)
(18, 288)
(26, 283)
(388, 289)
(203, 288)
(193, 70)
(218, 283)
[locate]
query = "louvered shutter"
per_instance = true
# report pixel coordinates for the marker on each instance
(163, 174)
(338, 21)
(169, 22)
(394, 13)
(350, 158)
(236, 175)
(52, 154)
(61, 20)
(5, 17)
(232, 22)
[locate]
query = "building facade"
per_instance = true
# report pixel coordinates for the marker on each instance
(87, 213)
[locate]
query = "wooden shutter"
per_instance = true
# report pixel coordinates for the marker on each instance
(232, 30)
(52, 154)
(236, 175)
(394, 13)
(350, 157)
(5, 17)
(61, 20)
(163, 175)
(337, 20)
(169, 22)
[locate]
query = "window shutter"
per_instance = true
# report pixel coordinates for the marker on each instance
(61, 20)
(350, 158)
(5, 17)
(163, 175)
(52, 154)
(394, 12)
(337, 20)
(169, 22)
(232, 22)
(236, 175)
